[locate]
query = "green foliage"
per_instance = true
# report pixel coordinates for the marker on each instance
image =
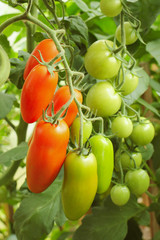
(6, 101)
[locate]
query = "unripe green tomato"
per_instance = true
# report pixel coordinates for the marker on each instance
(122, 126)
(111, 8)
(143, 132)
(4, 66)
(130, 33)
(102, 148)
(103, 99)
(3, 194)
(130, 83)
(75, 130)
(99, 60)
(137, 181)
(120, 194)
(79, 184)
(127, 160)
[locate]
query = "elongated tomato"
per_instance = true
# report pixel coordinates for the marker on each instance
(48, 50)
(46, 154)
(37, 93)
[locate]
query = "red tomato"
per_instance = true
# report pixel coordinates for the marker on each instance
(48, 50)
(37, 92)
(60, 98)
(46, 154)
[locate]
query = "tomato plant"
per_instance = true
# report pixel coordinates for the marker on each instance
(33, 102)
(111, 8)
(47, 49)
(120, 194)
(99, 60)
(103, 100)
(75, 130)
(102, 148)
(79, 184)
(122, 126)
(46, 154)
(143, 132)
(130, 33)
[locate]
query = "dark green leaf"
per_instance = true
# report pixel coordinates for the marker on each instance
(141, 88)
(155, 85)
(16, 75)
(157, 236)
(148, 106)
(35, 217)
(155, 157)
(39, 36)
(143, 218)
(134, 231)
(5, 44)
(108, 221)
(158, 176)
(146, 151)
(6, 103)
(154, 49)
(14, 154)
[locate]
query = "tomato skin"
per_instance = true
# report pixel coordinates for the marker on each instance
(102, 148)
(48, 50)
(37, 92)
(75, 130)
(127, 161)
(46, 154)
(100, 62)
(60, 98)
(79, 184)
(120, 194)
(122, 126)
(130, 83)
(130, 33)
(103, 100)
(143, 132)
(111, 8)
(137, 181)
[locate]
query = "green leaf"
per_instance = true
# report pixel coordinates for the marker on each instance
(16, 74)
(143, 219)
(5, 44)
(155, 157)
(134, 231)
(108, 221)
(12, 237)
(141, 88)
(6, 102)
(157, 236)
(14, 154)
(82, 5)
(154, 49)
(146, 151)
(35, 217)
(148, 106)
(158, 176)
(155, 85)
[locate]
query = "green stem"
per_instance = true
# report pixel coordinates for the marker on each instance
(151, 173)
(10, 124)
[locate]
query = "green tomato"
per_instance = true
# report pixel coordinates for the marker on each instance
(137, 181)
(122, 126)
(75, 130)
(127, 159)
(100, 62)
(4, 66)
(130, 82)
(102, 148)
(120, 194)
(143, 132)
(3, 194)
(111, 8)
(103, 100)
(130, 33)
(79, 184)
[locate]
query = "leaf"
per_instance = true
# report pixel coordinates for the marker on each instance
(82, 5)
(155, 157)
(157, 236)
(134, 231)
(158, 176)
(155, 85)
(141, 88)
(148, 106)
(154, 49)
(108, 221)
(12, 237)
(143, 219)
(6, 102)
(14, 154)
(39, 36)
(16, 75)
(146, 151)
(5, 44)
(35, 217)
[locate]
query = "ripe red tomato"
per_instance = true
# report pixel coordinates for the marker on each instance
(46, 154)
(48, 50)
(37, 92)
(60, 98)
